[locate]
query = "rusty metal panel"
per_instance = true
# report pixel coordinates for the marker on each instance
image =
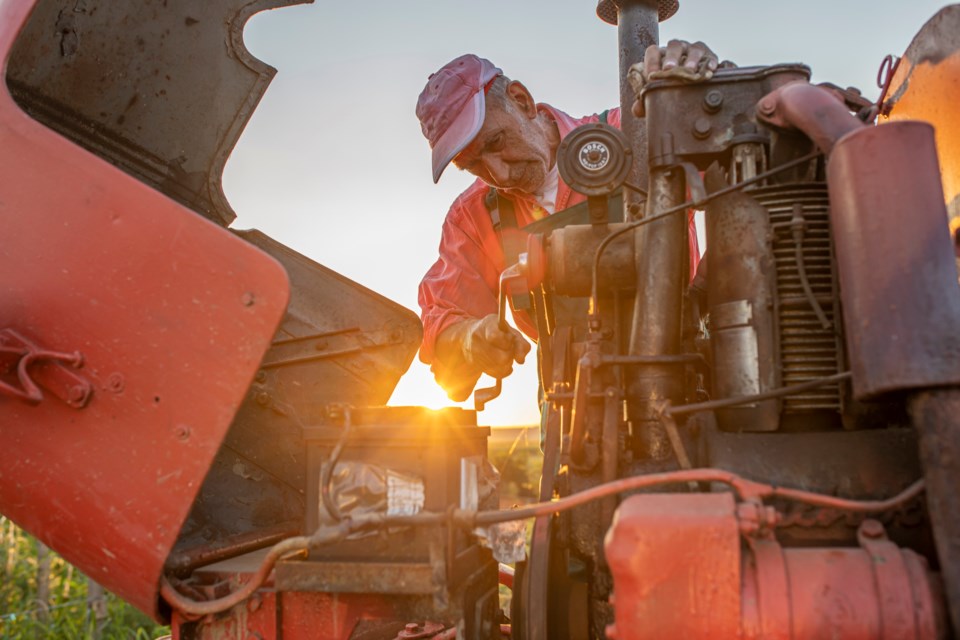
(171, 316)
(898, 279)
(924, 87)
(160, 88)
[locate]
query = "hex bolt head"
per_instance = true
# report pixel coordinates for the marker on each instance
(712, 101)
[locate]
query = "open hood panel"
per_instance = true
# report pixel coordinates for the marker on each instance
(160, 88)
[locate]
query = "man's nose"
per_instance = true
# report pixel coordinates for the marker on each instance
(497, 169)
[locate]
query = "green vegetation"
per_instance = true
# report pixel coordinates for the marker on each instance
(42, 596)
(515, 452)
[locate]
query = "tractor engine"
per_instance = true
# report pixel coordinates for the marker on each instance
(814, 348)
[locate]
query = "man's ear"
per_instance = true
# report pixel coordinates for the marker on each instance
(521, 98)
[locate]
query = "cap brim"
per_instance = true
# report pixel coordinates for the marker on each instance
(459, 134)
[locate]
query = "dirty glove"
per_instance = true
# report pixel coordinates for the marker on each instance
(468, 348)
(679, 59)
(491, 349)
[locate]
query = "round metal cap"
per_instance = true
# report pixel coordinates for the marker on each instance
(607, 10)
(594, 159)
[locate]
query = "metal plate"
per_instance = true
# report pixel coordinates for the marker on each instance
(172, 315)
(160, 88)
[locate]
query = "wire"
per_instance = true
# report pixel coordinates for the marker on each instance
(745, 489)
(779, 392)
(594, 287)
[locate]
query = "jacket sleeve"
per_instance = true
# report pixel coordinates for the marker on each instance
(462, 283)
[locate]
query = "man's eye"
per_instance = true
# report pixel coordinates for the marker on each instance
(496, 144)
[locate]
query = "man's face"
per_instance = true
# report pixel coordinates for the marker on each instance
(513, 150)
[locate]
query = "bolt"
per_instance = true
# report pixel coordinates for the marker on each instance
(767, 106)
(712, 101)
(77, 394)
(702, 128)
(261, 376)
(263, 398)
(412, 627)
(247, 299)
(183, 432)
(115, 382)
(872, 529)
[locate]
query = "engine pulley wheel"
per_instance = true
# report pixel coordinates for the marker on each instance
(594, 159)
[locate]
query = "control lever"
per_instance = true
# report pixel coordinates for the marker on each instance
(514, 272)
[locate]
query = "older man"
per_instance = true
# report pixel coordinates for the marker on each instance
(491, 127)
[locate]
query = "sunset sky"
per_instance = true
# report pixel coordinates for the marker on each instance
(334, 165)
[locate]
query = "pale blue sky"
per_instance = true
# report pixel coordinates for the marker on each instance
(333, 162)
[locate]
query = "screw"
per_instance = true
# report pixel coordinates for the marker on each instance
(767, 106)
(183, 432)
(261, 376)
(247, 299)
(115, 382)
(263, 398)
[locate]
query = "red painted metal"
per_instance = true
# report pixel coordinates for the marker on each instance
(679, 572)
(171, 314)
(675, 561)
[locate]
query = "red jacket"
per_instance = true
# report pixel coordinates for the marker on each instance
(464, 281)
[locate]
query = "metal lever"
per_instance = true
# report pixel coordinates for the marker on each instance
(515, 272)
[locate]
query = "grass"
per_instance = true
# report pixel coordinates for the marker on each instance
(66, 615)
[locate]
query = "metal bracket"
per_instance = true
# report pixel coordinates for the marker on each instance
(36, 367)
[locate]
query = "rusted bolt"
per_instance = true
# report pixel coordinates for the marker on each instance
(115, 382)
(767, 106)
(182, 432)
(261, 376)
(712, 101)
(872, 529)
(263, 398)
(247, 299)
(702, 128)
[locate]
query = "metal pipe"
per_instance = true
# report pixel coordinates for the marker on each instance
(637, 29)
(661, 268)
(817, 112)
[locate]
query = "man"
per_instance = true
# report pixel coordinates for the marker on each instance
(490, 126)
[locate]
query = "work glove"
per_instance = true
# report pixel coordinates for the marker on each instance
(679, 59)
(491, 349)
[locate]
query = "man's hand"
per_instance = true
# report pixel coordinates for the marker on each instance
(679, 59)
(491, 349)
(472, 347)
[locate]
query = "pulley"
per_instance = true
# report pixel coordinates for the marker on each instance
(594, 159)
